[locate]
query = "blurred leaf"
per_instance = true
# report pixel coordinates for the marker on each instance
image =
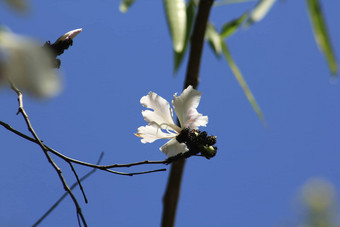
(242, 82)
(178, 56)
(260, 11)
(21, 6)
(227, 2)
(214, 39)
(321, 34)
(176, 18)
(229, 28)
(125, 4)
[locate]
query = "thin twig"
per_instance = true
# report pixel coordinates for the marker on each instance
(65, 194)
(80, 186)
(171, 194)
(136, 173)
(45, 150)
(68, 159)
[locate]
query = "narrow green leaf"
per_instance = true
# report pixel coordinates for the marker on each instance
(176, 17)
(214, 39)
(238, 75)
(229, 28)
(321, 34)
(178, 56)
(125, 5)
(227, 2)
(260, 11)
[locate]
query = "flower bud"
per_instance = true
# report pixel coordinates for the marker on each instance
(209, 151)
(69, 35)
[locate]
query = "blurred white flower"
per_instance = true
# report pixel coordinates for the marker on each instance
(161, 123)
(27, 65)
(319, 203)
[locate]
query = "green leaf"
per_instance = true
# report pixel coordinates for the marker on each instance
(229, 28)
(214, 39)
(321, 34)
(125, 4)
(176, 17)
(238, 75)
(178, 56)
(227, 2)
(260, 11)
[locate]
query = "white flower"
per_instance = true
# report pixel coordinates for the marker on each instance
(27, 65)
(161, 123)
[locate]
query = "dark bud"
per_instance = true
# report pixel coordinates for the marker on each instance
(211, 140)
(62, 44)
(183, 136)
(209, 151)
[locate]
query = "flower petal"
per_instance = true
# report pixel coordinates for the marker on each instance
(150, 133)
(173, 148)
(161, 114)
(185, 107)
(69, 35)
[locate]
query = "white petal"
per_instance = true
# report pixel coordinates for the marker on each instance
(69, 35)
(151, 133)
(185, 107)
(173, 148)
(35, 74)
(162, 112)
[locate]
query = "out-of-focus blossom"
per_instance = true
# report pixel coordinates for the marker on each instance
(28, 65)
(161, 123)
(318, 196)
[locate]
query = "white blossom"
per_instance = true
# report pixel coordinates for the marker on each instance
(160, 119)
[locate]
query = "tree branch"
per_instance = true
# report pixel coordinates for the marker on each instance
(171, 195)
(96, 166)
(45, 150)
(65, 194)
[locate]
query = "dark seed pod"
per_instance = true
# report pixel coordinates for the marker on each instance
(211, 140)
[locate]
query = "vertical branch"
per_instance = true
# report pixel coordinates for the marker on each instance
(171, 195)
(197, 40)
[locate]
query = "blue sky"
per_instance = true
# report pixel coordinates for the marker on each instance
(257, 175)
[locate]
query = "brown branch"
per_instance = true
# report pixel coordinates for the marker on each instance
(96, 166)
(65, 194)
(78, 180)
(22, 111)
(172, 192)
(197, 40)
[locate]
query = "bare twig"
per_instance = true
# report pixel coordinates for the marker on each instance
(65, 194)
(101, 167)
(171, 194)
(22, 111)
(80, 186)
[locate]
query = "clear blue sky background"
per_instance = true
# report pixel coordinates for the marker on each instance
(256, 177)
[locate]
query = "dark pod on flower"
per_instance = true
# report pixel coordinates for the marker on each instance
(198, 143)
